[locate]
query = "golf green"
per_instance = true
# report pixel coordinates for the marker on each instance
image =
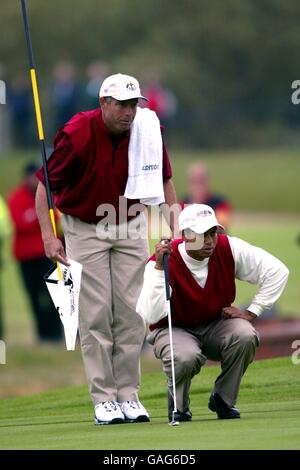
(63, 419)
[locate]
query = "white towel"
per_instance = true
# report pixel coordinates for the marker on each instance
(145, 159)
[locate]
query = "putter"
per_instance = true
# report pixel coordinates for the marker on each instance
(168, 297)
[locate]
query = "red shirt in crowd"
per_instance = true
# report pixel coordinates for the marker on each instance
(89, 166)
(191, 304)
(27, 242)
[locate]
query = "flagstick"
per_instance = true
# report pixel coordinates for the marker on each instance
(39, 125)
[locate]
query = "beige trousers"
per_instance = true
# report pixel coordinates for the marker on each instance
(230, 341)
(111, 332)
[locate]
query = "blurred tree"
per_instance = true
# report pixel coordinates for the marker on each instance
(230, 64)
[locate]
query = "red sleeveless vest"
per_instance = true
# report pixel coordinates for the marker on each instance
(191, 304)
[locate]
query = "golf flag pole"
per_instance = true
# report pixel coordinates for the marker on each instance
(168, 297)
(63, 283)
(39, 122)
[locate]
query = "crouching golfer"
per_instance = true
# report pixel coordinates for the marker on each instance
(203, 266)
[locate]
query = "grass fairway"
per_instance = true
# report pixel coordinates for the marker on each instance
(62, 419)
(263, 186)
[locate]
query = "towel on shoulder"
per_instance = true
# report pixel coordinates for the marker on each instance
(145, 159)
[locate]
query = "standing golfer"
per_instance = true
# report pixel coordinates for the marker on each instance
(105, 162)
(203, 267)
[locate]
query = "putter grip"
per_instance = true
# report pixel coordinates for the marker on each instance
(166, 271)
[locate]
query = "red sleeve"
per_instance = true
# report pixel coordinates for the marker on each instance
(60, 163)
(69, 142)
(167, 169)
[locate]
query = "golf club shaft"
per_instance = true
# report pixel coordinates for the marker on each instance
(168, 296)
(39, 121)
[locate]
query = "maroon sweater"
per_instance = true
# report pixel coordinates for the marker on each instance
(191, 304)
(89, 166)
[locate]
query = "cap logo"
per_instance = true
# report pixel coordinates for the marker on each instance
(205, 213)
(130, 86)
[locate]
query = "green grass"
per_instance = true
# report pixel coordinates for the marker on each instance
(270, 402)
(32, 368)
(62, 419)
(260, 180)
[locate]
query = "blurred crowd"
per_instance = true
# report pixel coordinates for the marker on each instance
(66, 94)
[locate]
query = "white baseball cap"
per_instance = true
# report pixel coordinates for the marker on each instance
(198, 217)
(121, 87)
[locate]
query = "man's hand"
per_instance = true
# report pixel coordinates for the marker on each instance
(53, 246)
(234, 312)
(54, 250)
(162, 247)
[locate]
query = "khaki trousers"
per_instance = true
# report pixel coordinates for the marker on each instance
(230, 341)
(111, 332)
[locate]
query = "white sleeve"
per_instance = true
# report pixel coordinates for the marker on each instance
(151, 304)
(257, 266)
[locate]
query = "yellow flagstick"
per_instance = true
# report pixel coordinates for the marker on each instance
(37, 104)
(39, 124)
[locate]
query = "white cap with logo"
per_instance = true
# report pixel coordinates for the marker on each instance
(198, 217)
(121, 87)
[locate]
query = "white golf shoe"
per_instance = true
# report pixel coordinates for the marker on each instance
(108, 412)
(134, 412)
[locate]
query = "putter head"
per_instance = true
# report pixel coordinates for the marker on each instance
(174, 423)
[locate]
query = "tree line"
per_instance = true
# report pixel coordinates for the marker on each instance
(229, 63)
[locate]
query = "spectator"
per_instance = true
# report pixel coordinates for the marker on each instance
(28, 250)
(65, 94)
(19, 101)
(96, 72)
(199, 191)
(160, 98)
